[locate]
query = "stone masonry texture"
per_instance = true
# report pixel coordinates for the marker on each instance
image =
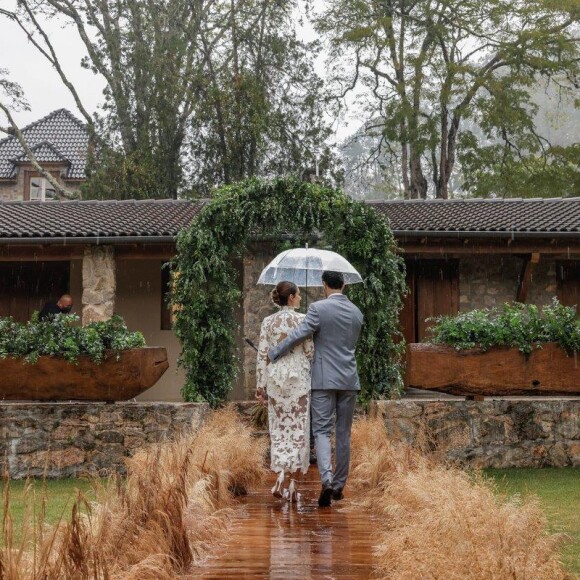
(490, 281)
(496, 433)
(58, 440)
(99, 283)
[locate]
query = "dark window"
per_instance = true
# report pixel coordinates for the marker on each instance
(568, 273)
(166, 312)
(27, 286)
(41, 189)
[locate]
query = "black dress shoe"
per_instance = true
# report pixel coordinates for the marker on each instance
(337, 494)
(325, 496)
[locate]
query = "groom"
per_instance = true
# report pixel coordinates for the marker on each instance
(335, 324)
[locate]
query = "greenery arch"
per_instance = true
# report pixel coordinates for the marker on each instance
(205, 291)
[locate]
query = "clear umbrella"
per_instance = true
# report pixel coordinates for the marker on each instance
(304, 267)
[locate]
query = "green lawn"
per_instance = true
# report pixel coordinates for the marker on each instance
(559, 494)
(61, 493)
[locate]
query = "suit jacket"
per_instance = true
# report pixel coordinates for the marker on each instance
(335, 324)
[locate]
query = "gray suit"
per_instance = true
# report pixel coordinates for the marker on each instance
(335, 324)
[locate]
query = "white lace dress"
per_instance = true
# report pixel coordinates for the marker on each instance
(287, 384)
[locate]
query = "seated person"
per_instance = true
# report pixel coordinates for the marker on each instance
(62, 306)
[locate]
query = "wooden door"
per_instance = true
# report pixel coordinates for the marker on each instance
(437, 286)
(433, 291)
(568, 273)
(27, 286)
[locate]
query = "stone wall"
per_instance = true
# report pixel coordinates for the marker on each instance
(99, 283)
(256, 306)
(13, 190)
(495, 433)
(70, 439)
(490, 281)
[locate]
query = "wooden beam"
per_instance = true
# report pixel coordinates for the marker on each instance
(145, 252)
(526, 276)
(40, 253)
(47, 252)
(456, 251)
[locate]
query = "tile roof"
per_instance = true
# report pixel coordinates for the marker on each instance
(57, 137)
(550, 216)
(44, 153)
(129, 218)
(164, 218)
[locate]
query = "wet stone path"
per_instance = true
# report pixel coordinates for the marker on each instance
(271, 539)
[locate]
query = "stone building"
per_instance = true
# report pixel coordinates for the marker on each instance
(59, 143)
(460, 255)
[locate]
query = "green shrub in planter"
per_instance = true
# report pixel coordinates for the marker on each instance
(61, 336)
(524, 326)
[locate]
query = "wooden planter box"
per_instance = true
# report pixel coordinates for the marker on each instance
(55, 379)
(498, 371)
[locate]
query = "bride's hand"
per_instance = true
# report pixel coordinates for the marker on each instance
(261, 395)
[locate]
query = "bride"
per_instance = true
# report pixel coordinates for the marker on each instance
(287, 385)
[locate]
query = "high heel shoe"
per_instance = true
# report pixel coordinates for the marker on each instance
(277, 489)
(292, 492)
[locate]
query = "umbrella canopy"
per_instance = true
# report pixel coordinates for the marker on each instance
(304, 267)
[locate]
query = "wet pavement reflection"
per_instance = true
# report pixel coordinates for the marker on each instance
(275, 540)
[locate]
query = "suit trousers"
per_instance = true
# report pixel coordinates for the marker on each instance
(332, 407)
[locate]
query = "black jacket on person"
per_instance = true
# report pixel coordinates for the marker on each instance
(50, 309)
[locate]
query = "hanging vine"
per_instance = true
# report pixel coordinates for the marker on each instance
(206, 290)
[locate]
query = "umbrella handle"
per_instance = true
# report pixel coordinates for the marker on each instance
(248, 341)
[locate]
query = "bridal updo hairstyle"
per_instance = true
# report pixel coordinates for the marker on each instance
(282, 292)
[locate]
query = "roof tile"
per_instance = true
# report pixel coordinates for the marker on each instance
(146, 218)
(63, 138)
(550, 215)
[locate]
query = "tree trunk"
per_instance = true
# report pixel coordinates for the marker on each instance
(418, 185)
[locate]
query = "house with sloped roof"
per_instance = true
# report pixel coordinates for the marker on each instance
(109, 255)
(59, 143)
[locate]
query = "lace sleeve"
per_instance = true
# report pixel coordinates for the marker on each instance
(262, 357)
(307, 326)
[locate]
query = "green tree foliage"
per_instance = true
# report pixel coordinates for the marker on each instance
(450, 78)
(500, 171)
(11, 95)
(205, 289)
(222, 88)
(150, 56)
(262, 105)
(115, 175)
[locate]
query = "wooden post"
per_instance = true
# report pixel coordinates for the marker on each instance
(530, 262)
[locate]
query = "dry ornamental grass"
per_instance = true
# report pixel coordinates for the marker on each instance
(443, 523)
(167, 513)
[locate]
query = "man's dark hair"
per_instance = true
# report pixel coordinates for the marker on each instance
(334, 280)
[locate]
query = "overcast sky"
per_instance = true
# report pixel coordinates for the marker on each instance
(41, 83)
